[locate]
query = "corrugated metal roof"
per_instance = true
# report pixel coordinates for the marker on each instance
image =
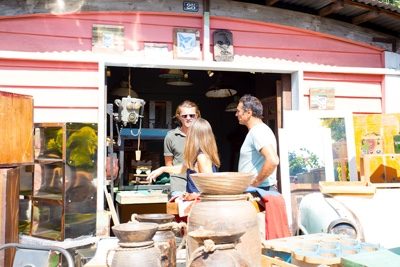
(371, 14)
(380, 5)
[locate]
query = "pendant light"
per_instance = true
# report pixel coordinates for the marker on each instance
(181, 81)
(170, 74)
(219, 89)
(125, 88)
(231, 107)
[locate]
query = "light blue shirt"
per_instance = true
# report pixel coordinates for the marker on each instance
(251, 160)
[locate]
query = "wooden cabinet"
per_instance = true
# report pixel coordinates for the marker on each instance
(16, 116)
(64, 193)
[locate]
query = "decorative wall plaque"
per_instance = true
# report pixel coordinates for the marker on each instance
(107, 38)
(322, 98)
(223, 45)
(187, 44)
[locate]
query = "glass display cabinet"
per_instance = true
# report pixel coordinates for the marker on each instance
(63, 189)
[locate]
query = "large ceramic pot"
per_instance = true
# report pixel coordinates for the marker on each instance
(136, 247)
(229, 214)
(217, 249)
(164, 238)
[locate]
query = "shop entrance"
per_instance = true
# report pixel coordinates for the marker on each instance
(216, 94)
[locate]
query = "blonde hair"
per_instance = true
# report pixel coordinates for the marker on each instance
(187, 104)
(200, 139)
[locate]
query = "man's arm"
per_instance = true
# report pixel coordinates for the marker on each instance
(271, 162)
(168, 160)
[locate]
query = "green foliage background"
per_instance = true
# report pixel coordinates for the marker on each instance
(392, 2)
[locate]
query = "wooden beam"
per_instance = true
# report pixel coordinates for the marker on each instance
(332, 7)
(391, 41)
(365, 17)
(270, 2)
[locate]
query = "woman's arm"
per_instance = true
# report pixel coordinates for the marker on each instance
(169, 169)
(204, 164)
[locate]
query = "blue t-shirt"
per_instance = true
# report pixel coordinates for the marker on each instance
(251, 160)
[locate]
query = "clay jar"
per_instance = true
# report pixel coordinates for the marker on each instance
(230, 214)
(218, 249)
(136, 247)
(164, 238)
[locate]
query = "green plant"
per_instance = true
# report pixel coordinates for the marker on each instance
(300, 163)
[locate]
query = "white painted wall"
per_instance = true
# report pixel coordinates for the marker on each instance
(392, 94)
(59, 95)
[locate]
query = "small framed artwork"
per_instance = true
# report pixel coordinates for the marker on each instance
(107, 38)
(187, 44)
(223, 45)
(322, 98)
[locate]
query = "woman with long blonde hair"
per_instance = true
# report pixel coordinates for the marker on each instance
(200, 154)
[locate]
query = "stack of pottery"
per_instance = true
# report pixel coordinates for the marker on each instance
(136, 247)
(224, 209)
(164, 238)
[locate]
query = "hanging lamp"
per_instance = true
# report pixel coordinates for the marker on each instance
(171, 74)
(220, 90)
(125, 88)
(231, 107)
(181, 81)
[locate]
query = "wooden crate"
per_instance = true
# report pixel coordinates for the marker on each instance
(16, 116)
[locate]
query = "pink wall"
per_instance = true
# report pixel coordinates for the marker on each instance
(357, 93)
(47, 33)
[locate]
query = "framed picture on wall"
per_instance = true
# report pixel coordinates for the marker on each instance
(187, 43)
(342, 136)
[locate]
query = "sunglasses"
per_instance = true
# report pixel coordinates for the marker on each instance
(192, 116)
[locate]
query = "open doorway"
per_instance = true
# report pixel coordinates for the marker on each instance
(164, 89)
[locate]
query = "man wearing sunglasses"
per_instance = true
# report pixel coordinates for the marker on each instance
(174, 143)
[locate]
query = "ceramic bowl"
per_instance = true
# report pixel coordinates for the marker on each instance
(222, 183)
(155, 218)
(135, 232)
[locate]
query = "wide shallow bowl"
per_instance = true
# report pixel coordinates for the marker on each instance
(155, 218)
(222, 183)
(135, 232)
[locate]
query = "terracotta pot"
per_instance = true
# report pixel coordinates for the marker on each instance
(230, 214)
(136, 246)
(143, 254)
(164, 238)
